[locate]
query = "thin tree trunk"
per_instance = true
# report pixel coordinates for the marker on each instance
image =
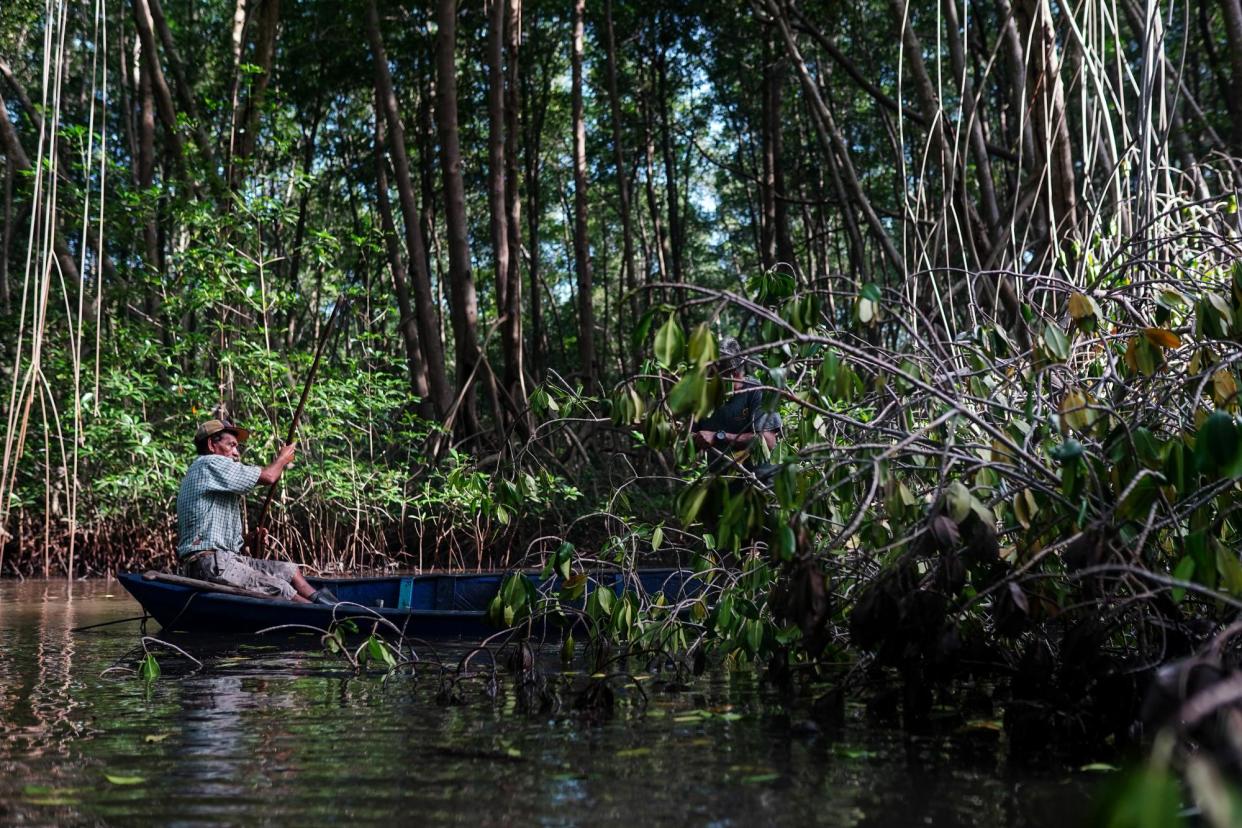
(159, 86)
(145, 168)
(463, 302)
(407, 325)
(1046, 102)
(675, 234)
(497, 174)
(515, 368)
(1232, 11)
(532, 145)
(184, 92)
(978, 145)
(830, 141)
(629, 278)
(428, 331)
(248, 121)
(582, 256)
(657, 227)
(6, 241)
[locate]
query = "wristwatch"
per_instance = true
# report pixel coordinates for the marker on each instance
(720, 437)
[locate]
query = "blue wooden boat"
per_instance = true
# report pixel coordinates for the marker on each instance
(443, 605)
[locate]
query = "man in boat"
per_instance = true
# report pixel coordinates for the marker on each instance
(731, 430)
(209, 521)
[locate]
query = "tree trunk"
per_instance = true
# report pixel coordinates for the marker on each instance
(401, 289)
(498, 199)
(536, 107)
(515, 368)
(428, 330)
(159, 86)
(185, 93)
(675, 234)
(463, 302)
(582, 255)
(629, 277)
(1046, 102)
(974, 124)
(247, 123)
(6, 239)
(831, 141)
(1232, 11)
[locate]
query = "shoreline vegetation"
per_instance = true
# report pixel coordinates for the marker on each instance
(984, 259)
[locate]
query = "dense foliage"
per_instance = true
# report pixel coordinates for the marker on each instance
(983, 258)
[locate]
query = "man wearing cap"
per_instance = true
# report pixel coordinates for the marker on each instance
(209, 522)
(734, 425)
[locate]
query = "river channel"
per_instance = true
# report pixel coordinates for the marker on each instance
(273, 733)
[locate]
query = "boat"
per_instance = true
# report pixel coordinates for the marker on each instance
(438, 605)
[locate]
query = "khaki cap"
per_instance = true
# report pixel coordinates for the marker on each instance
(214, 427)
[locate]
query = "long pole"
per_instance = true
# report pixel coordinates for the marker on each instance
(297, 415)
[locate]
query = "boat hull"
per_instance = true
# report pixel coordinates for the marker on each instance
(423, 606)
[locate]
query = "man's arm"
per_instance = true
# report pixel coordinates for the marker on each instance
(743, 438)
(271, 473)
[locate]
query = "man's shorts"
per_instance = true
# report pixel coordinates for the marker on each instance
(269, 577)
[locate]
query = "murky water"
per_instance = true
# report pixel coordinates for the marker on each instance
(278, 734)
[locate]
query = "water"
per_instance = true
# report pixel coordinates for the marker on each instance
(280, 734)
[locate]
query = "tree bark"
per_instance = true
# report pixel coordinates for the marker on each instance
(831, 140)
(6, 238)
(675, 232)
(407, 325)
(535, 108)
(185, 93)
(582, 256)
(1232, 11)
(463, 301)
(499, 200)
(428, 330)
(1046, 102)
(512, 340)
(159, 86)
(247, 123)
(629, 277)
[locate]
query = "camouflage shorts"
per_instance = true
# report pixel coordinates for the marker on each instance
(269, 577)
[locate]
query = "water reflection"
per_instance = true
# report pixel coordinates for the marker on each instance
(265, 733)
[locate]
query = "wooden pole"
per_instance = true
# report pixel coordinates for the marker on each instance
(297, 415)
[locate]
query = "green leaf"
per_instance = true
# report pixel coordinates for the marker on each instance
(116, 779)
(1217, 444)
(1229, 567)
(1185, 569)
(754, 636)
(702, 346)
(957, 497)
(760, 778)
(605, 599)
(149, 668)
(691, 501)
(687, 395)
(1057, 342)
(872, 292)
(669, 343)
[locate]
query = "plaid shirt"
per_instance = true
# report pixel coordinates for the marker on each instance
(209, 504)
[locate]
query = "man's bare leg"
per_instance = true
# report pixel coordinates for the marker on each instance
(304, 589)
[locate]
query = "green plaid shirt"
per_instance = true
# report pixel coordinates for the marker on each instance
(209, 504)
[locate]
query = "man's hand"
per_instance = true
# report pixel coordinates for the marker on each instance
(256, 542)
(703, 439)
(272, 472)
